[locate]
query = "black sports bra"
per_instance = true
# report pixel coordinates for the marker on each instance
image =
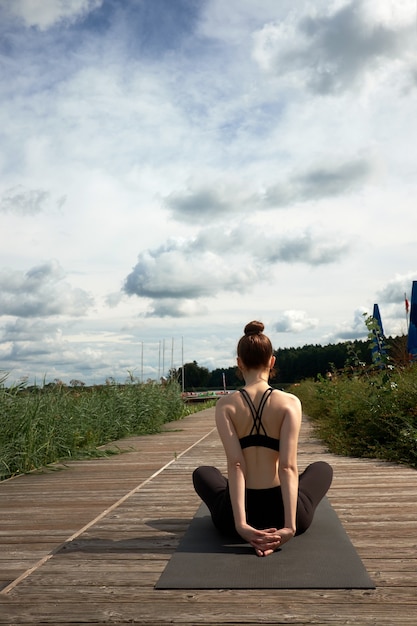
(255, 437)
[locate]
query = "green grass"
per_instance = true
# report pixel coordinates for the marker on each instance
(42, 425)
(368, 414)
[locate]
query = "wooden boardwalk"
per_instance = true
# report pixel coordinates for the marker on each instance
(86, 544)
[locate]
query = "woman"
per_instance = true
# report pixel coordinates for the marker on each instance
(263, 500)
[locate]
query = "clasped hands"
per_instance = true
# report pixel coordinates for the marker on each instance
(266, 541)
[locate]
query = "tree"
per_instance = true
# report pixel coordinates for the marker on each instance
(195, 377)
(230, 375)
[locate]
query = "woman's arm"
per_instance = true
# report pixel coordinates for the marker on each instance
(288, 469)
(236, 467)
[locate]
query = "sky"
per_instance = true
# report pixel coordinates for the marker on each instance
(172, 169)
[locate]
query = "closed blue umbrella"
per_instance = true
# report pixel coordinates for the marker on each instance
(412, 329)
(378, 347)
(377, 316)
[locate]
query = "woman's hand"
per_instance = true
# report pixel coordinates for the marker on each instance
(266, 541)
(285, 535)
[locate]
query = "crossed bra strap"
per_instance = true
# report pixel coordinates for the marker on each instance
(256, 437)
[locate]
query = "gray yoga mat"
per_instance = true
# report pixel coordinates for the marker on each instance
(321, 558)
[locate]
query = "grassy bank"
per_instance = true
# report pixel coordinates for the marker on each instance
(41, 425)
(366, 414)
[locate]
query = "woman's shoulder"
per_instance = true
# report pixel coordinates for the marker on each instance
(229, 399)
(225, 407)
(285, 399)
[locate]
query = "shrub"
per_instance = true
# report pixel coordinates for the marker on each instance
(368, 415)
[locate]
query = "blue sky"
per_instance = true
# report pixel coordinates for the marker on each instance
(171, 169)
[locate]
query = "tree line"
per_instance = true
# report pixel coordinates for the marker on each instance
(293, 364)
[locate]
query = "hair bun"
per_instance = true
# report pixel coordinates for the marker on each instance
(254, 328)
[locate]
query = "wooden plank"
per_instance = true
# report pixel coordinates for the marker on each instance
(107, 574)
(196, 611)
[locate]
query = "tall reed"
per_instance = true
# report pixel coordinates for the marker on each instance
(47, 423)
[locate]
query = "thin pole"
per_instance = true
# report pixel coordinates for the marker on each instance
(182, 362)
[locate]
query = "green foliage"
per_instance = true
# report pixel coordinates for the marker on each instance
(296, 364)
(367, 411)
(310, 361)
(366, 414)
(195, 376)
(231, 378)
(41, 425)
(292, 364)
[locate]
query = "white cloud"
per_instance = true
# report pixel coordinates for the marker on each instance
(217, 262)
(253, 157)
(41, 292)
(46, 13)
(334, 50)
(294, 322)
(217, 200)
(355, 329)
(24, 202)
(173, 307)
(178, 270)
(397, 288)
(222, 198)
(304, 248)
(391, 13)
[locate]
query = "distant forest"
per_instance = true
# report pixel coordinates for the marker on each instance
(295, 364)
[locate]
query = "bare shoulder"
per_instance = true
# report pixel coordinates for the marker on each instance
(225, 414)
(287, 401)
(285, 398)
(226, 404)
(227, 399)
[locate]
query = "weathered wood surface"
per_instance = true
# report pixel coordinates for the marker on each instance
(126, 517)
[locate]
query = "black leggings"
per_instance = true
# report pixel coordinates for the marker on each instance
(264, 507)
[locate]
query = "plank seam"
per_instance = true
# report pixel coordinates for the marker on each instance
(111, 508)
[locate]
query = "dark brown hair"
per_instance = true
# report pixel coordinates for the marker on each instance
(254, 348)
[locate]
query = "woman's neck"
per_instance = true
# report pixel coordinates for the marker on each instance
(254, 377)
